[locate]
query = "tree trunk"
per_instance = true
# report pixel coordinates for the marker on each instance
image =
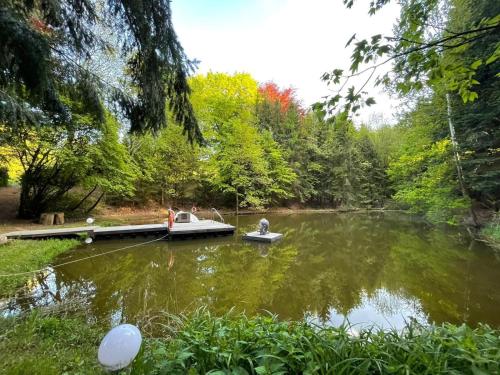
(84, 199)
(237, 203)
(47, 218)
(59, 218)
(458, 161)
(95, 204)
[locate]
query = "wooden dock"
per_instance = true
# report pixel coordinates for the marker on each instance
(203, 228)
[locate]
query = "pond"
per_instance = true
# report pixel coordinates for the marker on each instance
(369, 268)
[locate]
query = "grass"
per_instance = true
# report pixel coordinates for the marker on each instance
(491, 232)
(234, 344)
(22, 256)
(45, 344)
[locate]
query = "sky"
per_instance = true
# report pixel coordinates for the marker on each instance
(290, 42)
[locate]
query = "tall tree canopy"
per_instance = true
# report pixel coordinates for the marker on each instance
(422, 35)
(46, 45)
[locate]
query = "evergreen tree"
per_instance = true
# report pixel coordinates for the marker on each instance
(44, 46)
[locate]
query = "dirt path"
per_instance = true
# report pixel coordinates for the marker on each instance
(9, 201)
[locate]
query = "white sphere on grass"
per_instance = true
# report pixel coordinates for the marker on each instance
(88, 240)
(119, 347)
(90, 220)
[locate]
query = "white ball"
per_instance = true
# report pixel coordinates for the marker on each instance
(88, 240)
(119, 347)
(90, 220)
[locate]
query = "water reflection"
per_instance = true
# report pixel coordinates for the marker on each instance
(368, 268)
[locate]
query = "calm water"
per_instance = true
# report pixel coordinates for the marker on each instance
(381, 268)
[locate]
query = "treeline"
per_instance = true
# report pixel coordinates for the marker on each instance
(232, 142)
(261, 148)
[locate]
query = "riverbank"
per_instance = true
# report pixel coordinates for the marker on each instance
(17, 257)
(47, 343)
(491, 232)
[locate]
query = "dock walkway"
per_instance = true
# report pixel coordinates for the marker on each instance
(203, 228)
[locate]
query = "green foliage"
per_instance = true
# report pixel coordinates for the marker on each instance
(23, 256)
(44, 344)
(168, 165)
(47, 50)
(201, 343)
(56, 159)
(264, 345)
(426, 183)
(476, 123)
(491, 232)
(422, 170)
(426, 31)
(241, 161)
(238, 166)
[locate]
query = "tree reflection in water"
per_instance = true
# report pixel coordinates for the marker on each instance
(381, 268)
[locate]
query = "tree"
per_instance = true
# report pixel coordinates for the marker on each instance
(239, 160)
(168, 165)
(44, 47)
(477, 123)
(219, 98)
(422, 170)
(421, 36)
(280, 174)
(238, 165)
(56, 159)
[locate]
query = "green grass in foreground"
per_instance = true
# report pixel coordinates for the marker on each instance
(263, 345)
(44, 344)
(23, 255)
(235, 344)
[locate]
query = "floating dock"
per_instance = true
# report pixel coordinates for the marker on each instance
(268, 237)
(202, 228)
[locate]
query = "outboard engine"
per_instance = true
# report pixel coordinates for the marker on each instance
(263, 226)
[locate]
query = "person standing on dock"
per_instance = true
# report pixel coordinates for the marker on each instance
(171, 218)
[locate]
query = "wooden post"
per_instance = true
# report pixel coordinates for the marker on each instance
(59, 218)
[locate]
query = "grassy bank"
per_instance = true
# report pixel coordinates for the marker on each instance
(46, 344)
(491, 232)
(200, 343)
(23, 256)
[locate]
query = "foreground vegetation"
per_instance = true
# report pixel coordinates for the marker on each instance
(46, 344)
(23, 256)
(234, 344)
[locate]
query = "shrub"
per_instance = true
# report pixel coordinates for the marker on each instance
(264, 345)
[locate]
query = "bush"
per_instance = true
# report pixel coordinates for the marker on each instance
(491, 231)
(264, 345)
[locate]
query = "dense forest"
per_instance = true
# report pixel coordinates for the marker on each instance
(73, 135)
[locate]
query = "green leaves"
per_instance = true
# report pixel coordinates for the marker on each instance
(261, 345)
(422, 55)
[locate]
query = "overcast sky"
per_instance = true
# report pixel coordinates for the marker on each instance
(290, 42)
